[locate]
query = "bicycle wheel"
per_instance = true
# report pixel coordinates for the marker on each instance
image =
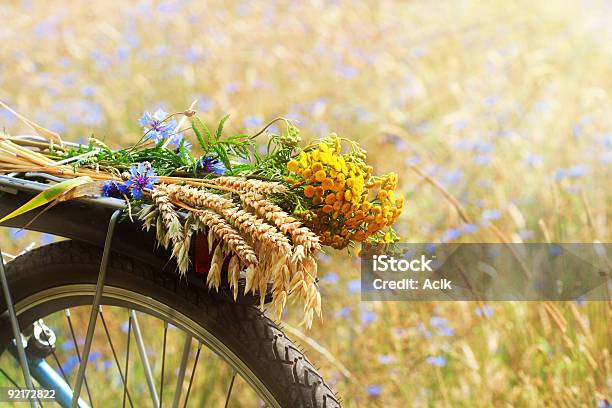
(58, 277)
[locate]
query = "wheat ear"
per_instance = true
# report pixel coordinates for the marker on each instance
(244, 255)
(300, 235)
(241, 184)
(170, 230)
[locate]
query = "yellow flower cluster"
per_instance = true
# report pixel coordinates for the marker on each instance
(347, 203)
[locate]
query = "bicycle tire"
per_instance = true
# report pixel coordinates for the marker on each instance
(245, 330)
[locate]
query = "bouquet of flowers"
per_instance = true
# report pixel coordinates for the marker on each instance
(266, 214)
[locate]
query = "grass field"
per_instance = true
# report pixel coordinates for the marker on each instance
(507, 105)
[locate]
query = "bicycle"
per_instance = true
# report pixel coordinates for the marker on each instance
(106, 269)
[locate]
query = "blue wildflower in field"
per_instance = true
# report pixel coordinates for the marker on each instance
(534, 160)
(526, 234)
(469, 228)
(142, 176)
(344, 312)
(484, 311)
(354, 286)
(490, 215)
(210, 165)
(436, 361)
(559, 174)
(125, 326)
(70, 364)
(374, 390)
(386, 359)
(155, 127)
(331, 277)
(576, 171)
(367, 317)
(113, 188)
(450, 234)
(253, 121)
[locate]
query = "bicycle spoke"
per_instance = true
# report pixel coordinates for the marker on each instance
(181, 373)
(59, 365)
(145, 359)
(78, 353)
(229, 391)
(112, 347)
(195, 365)
(161, 386)
(127, 360)
(10, 379)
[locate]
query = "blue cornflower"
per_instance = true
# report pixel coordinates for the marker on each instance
(437, 361)
(386, 359)
(469, 228)
(437, 321)
(210, 165)
(125, 326)
(374, 390)
(175, 141)
(344, 312)
(490, 215)
(142, 176)
(331, 277)
(354, 286)
(112, 188)
(367, 317)
(253, 121)
(450, 234)
(70, 364)
(484, 311)
(154, 126)
(576, 171)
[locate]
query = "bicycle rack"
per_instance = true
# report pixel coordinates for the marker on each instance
(95, 307)
(26, 362)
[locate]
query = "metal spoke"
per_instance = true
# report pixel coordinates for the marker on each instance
(10, 379)
(127, 360)
(229, 391)
(110, 342)
(181, 373)
(76, 347)
(195, 365)
(59, 365)
(145, 360)
(161, 386)
(91, 327)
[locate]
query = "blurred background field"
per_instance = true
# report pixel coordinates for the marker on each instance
(505, 104)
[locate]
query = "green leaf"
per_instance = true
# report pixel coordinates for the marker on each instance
(186, 155)
(202, 133)
(50, 194)
(220, 127)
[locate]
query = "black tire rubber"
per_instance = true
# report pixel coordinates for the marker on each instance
(245, 330)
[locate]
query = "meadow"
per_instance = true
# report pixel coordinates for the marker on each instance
(497, 116)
